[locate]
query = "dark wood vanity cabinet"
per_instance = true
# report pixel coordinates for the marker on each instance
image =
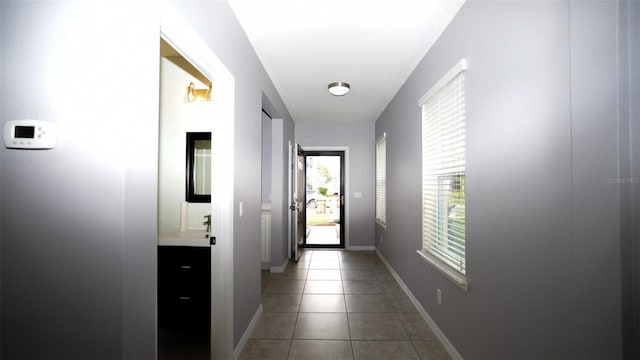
(184, 301)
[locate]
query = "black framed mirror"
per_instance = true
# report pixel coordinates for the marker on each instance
(198, 171)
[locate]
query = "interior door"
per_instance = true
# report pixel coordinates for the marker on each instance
(297, 219)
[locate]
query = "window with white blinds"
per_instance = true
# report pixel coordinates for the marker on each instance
(381, 180)
(443, 174)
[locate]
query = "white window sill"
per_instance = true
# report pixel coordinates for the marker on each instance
(383, 225)
(445, 269)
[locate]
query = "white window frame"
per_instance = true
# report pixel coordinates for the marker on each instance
(436, 179)
(381, 180)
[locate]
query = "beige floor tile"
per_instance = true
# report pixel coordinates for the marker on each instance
(299, 265)
(278, 286)
(382, 273)
(317, 274)
(266, 349)
(320, 350)
(281, 302)
(324, 264)
(431, 350)
(337, 305)
(384, 350)
(355, 264)
(290, 274)
(351, 255)
(274, 326)
(323, 287)
(368, 303)
(358, 275)
(322, 255)
(362, 287)
(391, 287)
(376, 326)
(322, 326)
(416, 327)
(402, 304)
(322, 303)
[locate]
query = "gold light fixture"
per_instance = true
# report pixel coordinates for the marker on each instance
(194, 95)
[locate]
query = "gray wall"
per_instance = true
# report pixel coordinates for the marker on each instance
(359, 138)
(219, 28)
(543, 249)
(595, 199)
(629, 130)
(78, 223)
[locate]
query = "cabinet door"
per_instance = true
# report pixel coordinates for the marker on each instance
(184, 287)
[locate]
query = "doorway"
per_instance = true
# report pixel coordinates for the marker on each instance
(179, 35)
(324, 199)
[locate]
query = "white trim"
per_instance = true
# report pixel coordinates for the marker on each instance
(265, 236)
(247, 333)
(379, 140)
(361, 248)
(457, 68)
(347, 208)
(445, 269)
(279, 269)
(289, 200)
(432, 324)
(179, 34)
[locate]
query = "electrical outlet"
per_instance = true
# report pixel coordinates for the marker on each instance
(439, 297)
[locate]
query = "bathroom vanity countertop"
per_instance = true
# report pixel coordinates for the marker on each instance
(184, 238)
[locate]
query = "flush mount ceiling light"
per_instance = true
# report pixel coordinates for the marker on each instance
(194, 94)
(339, 88)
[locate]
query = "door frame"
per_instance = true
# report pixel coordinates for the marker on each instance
(347, 205)
(181, 36)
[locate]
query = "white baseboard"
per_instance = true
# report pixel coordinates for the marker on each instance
(247, 333)
(279, 269)
(436, 330)
(361, 248)
(265, 266)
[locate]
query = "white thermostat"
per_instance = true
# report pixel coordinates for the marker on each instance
(29, 134)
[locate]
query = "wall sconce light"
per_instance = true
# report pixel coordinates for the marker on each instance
(194, 94)
(339, 88)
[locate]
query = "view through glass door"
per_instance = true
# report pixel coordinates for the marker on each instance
(324, 198)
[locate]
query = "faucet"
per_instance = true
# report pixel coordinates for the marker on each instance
(207, 222)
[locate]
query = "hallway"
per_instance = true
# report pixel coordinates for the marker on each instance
(339, 305)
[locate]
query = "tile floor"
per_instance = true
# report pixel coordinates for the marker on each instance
(339, 305)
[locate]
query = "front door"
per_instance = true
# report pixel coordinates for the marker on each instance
(324, 199)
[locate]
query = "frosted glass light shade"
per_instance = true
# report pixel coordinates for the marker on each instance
(339, 88)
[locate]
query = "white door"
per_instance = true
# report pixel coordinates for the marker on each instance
(297, 222)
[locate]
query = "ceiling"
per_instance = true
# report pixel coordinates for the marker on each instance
(374, 45)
